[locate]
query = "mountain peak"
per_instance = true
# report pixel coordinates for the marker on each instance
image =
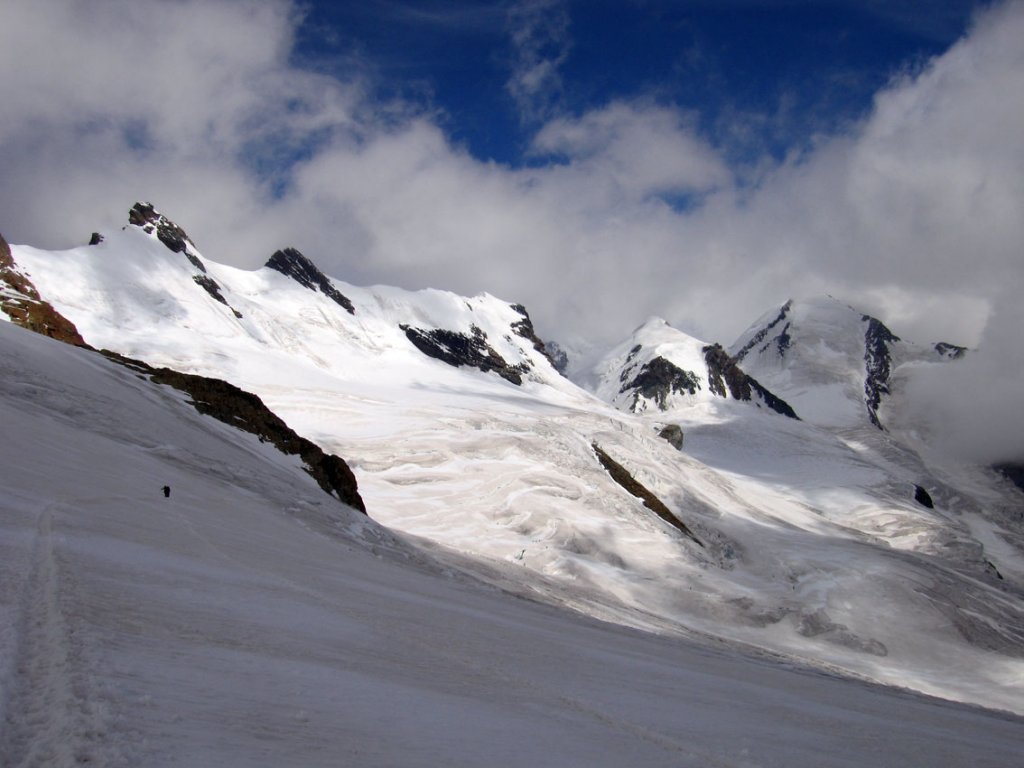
(667, 368)
(290, 262)
(151, 221)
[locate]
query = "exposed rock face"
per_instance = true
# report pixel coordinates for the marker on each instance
(1014, 472)
(724, 374)
(96, 238)
(950, 351)
(149, 220)
(244, 410)
(212, 287)
(782, 341)
(922, 497)
(291, 263)
(657, 380)
(20, 301)
(674, 434)
(878, 364)
(524, 328)
(559, 357)
(621, 476)
(458, 349)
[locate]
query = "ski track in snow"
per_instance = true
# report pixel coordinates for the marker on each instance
(52, 717)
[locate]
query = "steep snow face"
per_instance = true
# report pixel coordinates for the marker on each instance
(813, 545)
(833, 364)
(661, 368)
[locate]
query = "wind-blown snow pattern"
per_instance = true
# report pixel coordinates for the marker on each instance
(814, 547)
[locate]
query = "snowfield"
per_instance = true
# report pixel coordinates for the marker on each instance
(250, 619)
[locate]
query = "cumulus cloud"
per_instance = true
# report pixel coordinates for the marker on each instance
(621, 212)
(539, 32)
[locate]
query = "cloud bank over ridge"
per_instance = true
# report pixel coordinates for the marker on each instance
(618, 213)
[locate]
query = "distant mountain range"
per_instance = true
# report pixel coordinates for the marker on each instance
(756, 494)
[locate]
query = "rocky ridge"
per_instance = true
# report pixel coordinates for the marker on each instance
(291, 263)
(20, 301)
(152, 222)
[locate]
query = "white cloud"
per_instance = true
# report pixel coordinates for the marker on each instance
(539, 33)
(194, 105)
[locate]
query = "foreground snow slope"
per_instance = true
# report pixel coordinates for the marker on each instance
(251, 620)
(813, 545)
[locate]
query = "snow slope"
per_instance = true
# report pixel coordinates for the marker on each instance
(813, 546)
(251, 620)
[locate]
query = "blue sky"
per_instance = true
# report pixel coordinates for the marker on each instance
(762, 77)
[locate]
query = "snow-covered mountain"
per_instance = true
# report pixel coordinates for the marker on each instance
(833, 363)
(662, 368)
(250, 620)
(787, 523)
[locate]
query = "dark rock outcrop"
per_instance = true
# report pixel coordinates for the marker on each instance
(922, 497)
(1012, 471)
(247, 412)
(877, 365)
(150, 220)
(559, 357)
(725, 378)
(96, 238)
(20, 301)
(458, 349)
(212, 287)
(291, 263)
(621, 476)
(674, 434)
(657, 380)
(950, 351)
(782, 340)
(524, 329)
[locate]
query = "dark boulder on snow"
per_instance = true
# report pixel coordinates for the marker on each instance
(96, 238)
(674, 434)
(291, 263)
(459, 349)
(922, 497)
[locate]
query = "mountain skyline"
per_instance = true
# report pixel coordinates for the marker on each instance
(783, 515)
(621, 198)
